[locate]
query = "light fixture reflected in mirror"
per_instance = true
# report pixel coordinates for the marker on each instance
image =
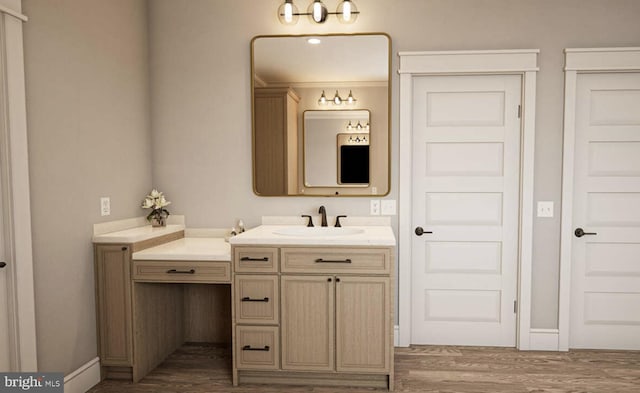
(288, 14)
(323, 99)
(350, 99)
(337, 99)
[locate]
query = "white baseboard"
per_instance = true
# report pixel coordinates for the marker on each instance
(84, 378)
(396, 336)
(543, 339)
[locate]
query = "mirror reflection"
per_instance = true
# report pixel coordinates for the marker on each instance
(336, 148)
(304, 97)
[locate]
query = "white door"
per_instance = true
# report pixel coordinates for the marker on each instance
(605, 281)
(466, 166)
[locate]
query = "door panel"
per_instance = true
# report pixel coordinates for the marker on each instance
(466, 165)
(605, 282)
(362, 324)
(307, 323)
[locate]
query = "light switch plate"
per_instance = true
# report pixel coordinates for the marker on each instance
(375, 207)
(545, 208)
(388, 207)
(105, 206)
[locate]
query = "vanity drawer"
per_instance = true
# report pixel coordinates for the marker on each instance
(339, 260)
(257, 348)
(257, 299)
(182, 271)
(255, 259)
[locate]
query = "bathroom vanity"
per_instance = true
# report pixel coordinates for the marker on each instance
(313, 306)
(150, 298)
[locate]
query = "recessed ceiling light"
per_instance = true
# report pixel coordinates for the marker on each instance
(314, 41)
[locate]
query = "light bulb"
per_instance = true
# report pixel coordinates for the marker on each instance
(336, 99)
(288, 13)
(323, 99)
(349, 126)
(317, 12)
(347, 12)
(350, 99)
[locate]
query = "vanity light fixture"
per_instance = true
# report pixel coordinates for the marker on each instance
(337, 99)
(288, 14)
(357, 139)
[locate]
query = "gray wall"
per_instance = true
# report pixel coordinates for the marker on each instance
(89, 120)
(89, 131)
(201, 96)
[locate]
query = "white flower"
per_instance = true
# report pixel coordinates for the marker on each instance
(157, 202)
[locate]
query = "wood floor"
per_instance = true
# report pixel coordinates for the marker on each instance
(424, 369)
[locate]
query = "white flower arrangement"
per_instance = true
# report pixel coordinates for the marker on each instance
(157, 203)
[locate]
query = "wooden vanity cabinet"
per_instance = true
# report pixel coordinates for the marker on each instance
(335, 317)
(275, 140)
(114, 304)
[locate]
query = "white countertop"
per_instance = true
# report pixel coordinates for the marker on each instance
(265, 235)
(188, 249)
(137, 234)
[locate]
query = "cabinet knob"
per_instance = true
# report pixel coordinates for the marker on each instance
(329, 280)
(124, 248)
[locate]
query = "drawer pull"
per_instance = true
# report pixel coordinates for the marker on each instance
(248, 348)
(320, 260)
(248, 299)
(265, 259)
(174, 271)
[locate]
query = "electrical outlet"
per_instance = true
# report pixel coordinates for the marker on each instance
(545, 209)
(375, 207)
(388, 207)
(105, 206)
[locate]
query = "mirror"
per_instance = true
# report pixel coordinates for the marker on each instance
(303, 143)
(336, 148)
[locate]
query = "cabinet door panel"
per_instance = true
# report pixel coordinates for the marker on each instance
(362, 324)
(114, 304)
(307, 323)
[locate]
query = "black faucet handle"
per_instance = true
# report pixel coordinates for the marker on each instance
(310, 223)
(338, 225)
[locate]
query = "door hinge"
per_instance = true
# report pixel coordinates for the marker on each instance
(515, 306)
(519, 111)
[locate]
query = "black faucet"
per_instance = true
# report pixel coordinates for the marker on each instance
(323, 212)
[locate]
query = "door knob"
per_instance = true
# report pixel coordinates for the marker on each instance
(579, 232)
(419, 231)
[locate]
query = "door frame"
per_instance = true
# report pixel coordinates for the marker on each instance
(579, 61)
(16, 208)
(481, 62)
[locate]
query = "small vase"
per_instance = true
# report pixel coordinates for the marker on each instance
(157, 222)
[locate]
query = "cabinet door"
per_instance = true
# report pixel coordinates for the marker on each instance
(362, 324)
(113, 290)
(307, 322)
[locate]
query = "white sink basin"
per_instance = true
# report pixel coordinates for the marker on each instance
(318, 231)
